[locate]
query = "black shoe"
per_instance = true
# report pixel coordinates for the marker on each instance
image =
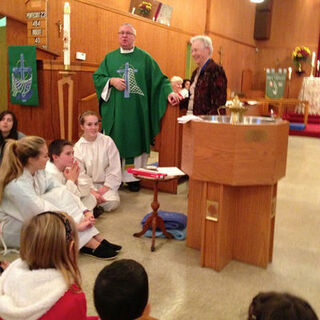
(101, 252)
(98, 211)
(113, 246)
(134, 186)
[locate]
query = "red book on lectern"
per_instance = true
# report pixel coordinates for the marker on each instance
(147, 173)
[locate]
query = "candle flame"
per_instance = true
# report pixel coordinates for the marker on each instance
(66, 8)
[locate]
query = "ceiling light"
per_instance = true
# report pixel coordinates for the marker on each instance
(256, 1)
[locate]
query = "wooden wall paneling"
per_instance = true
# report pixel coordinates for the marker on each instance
(16, 32)
(298, 21)
(236, 57)
(122, 5)
(227, 19)
(294, 23)
(188, 16)
(12, 9)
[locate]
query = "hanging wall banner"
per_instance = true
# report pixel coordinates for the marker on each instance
(275, 84)
(23, 75)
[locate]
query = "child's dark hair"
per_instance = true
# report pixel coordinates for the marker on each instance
(56, 147)
(280, 306)
(121, 291)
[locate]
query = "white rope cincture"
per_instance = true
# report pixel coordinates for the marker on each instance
(5, 250)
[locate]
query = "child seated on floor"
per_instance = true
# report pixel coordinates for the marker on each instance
(280, 306)
(45, 282)
(121, 291)
(63, 167)
(99, 161)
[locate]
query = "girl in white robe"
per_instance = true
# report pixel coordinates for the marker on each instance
(99, 162)
(26, 190)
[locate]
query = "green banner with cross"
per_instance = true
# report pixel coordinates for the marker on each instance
(23, 75)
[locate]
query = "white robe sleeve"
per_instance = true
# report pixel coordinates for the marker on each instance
(105, 95)
(85, 183)
(113, 171)
(27, 202)
(73, 188)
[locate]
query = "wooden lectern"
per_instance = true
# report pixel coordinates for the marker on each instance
(233, 172)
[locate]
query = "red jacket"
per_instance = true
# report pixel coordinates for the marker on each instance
(72, 306)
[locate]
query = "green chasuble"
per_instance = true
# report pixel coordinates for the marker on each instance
(132, 117)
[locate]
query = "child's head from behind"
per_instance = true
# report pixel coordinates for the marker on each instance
(121, 291)
(50, 240)
(61, 153)
(280, 306)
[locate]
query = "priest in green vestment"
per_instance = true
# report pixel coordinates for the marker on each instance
(133, 95)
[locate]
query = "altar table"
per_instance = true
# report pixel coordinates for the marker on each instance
(310, 91)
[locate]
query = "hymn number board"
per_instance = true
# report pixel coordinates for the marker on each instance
(36, 14)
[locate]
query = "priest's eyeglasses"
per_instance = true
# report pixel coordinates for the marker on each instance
(122, 33)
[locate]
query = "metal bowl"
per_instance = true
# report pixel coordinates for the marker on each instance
(246, 119)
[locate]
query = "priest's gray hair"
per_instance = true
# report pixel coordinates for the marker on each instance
(130, 26)
(205, 40)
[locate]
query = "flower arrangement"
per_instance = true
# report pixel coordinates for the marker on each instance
(300, 54)
(145, 8)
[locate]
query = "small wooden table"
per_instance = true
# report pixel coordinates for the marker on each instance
(154, 220)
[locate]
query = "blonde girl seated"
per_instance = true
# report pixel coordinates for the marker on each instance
(27, 190)
(44, 283)
(99, 161)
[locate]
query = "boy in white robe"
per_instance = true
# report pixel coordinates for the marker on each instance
(99, 161)
(63, 168)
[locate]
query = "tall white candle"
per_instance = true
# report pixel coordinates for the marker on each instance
(66, 34)
(318, 65)
(289, 73)
(313, 58)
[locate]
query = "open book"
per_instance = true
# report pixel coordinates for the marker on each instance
(159, 173)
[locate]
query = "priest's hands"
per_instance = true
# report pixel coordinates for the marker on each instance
(174, 98)
(118, 83)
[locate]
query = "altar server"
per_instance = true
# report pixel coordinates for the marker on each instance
(99, 161)
(66, 170)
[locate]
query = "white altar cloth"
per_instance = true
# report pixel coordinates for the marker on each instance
(310, 91)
